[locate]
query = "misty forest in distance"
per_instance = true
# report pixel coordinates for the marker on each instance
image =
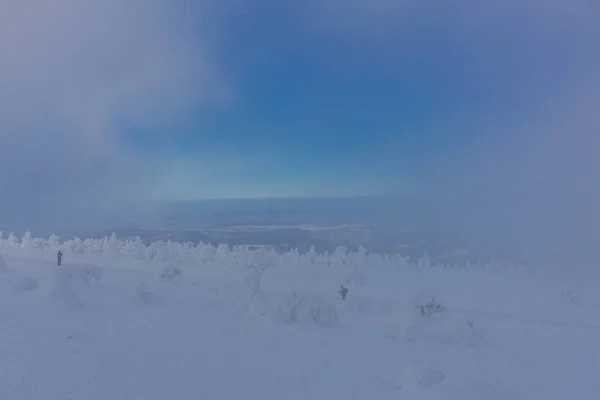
(394, 226)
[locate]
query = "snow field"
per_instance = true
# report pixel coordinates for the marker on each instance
(250, 325)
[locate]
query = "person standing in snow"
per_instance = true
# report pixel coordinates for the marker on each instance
(59, 256)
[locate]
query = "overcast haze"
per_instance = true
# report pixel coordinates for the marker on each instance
(487, 114)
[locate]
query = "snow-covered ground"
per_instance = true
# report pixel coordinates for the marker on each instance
(120, 320)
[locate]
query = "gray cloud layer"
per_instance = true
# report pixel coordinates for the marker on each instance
(528, 185)
(536, 190)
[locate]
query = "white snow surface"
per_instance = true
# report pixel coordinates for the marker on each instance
(243, 324)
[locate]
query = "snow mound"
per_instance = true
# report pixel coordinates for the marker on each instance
(296, 309)
(259, 307)
(92, 272)
(83, 272)
(29, 284)
(144, 295)
(385, 306)
(63, 296)
(420, 381)
(358, 305)
(416, 377)
(365, 306)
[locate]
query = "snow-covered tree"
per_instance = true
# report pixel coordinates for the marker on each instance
(53, 241)
(13, 241)
(26, 240)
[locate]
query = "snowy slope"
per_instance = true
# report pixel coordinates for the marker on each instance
(120, 321)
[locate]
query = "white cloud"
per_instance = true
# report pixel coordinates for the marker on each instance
(74, 74)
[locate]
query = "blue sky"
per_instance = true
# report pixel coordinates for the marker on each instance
(312, 102)
(467, 104)
(358, 112)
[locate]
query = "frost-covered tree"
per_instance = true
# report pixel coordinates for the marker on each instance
(26, 241)
(223, 249)
(113, 242)
(340, 256)
(424, 262)
(139, 247)
(38, 243)
(53, 241)
(76, 245)
(13, 241)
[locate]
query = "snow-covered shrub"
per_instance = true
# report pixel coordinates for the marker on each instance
(92, 272)
(583, 294)
(170, 274)
(431, 307)
(422, 305)
(426, 318)
(143, 294)
(293, 309)
(259, 307)
(570, 296)
(285, 310)
(29, 284)
(428, 305)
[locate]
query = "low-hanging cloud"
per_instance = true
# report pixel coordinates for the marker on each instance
(74, 75)
(526, 185)
(533, 192)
